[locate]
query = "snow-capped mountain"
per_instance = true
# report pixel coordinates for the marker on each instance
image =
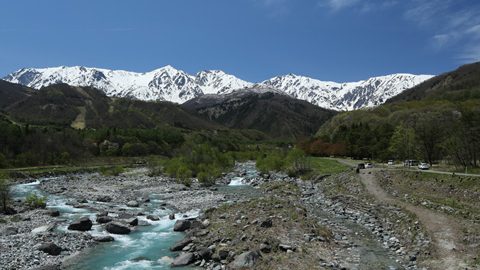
(168, 83)
(345, 96)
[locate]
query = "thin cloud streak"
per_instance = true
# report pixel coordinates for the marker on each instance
(452, 24)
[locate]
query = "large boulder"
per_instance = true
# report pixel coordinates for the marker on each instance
(181, 244)
(183, 259)
(182, 225)
(83, 224)
(50, 248)
(117, 228)
(104, 219)
(245, 260)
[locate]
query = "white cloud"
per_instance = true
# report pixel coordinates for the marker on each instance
(455, 24)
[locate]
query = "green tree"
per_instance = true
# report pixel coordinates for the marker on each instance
(297, 162)
(402, 142)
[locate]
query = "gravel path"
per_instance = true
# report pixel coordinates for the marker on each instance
(442, 228)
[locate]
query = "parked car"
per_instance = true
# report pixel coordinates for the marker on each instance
(368, 165)
(390, 163)
(424, 166)
(361, 166)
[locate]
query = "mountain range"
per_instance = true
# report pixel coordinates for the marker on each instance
(170, 84)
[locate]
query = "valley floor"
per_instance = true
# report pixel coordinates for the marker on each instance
(378, 219)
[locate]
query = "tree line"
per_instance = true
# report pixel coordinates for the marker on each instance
(427, 130)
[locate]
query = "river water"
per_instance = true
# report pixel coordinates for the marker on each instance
(147, 247)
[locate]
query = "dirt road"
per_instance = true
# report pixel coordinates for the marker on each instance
(443, 229)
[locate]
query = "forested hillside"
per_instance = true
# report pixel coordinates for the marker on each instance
(60, 123)
(263, 109)
(438, 120)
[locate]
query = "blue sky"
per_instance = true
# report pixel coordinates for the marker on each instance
(339, 40)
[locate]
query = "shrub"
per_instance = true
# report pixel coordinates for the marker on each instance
(297, 163)
(184, 175)
(172, 166)
(271, 162)
(35, 201)
(207, 178)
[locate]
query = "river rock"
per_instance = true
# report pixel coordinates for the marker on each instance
(132, 221)
(104, 219)
(285, 247)
(183, 259)
(182, 225)
(116, 228)
(102, 239)
(265, 248)
(153, 218)
(181, 244)
(223, 254)
(245, 260)
(50, 248)
(171, 216)
(83, 224)
(205, 253)
(53, 213)
(267, 223)
(133, 204)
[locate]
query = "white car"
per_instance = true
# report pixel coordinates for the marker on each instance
(424, 166)
(390, 163)
(368, 165)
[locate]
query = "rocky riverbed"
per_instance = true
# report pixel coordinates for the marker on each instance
(325, 223)
(131, 200)
(330, 223)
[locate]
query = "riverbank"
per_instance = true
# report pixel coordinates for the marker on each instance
(330, 222)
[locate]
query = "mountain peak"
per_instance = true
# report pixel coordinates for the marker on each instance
(171, 84)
